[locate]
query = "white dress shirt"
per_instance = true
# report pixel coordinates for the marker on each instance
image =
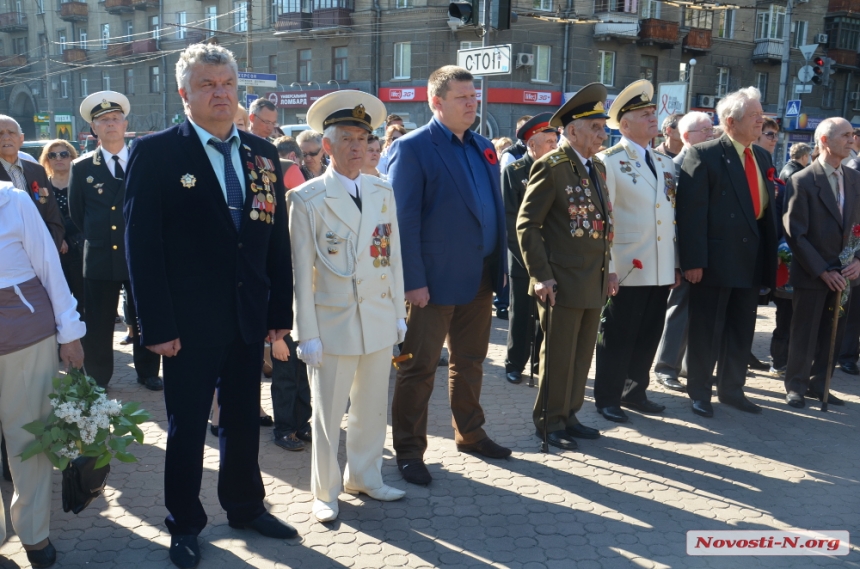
(216, 159)
(26, 251)
(108, 159)
(351, 186)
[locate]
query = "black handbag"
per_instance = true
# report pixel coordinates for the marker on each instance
(82, 483)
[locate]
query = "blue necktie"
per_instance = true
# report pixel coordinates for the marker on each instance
(231, 180)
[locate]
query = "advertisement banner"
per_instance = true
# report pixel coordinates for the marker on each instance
(671, 98)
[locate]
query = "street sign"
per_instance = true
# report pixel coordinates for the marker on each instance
(792, 109)
(258, 79)
(805, 74)
(249, 98)
(486, 61)
(808, 50)
(803, 88)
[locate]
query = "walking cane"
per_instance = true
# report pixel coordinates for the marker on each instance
(829, 374)
(533, 347)
(544, 447)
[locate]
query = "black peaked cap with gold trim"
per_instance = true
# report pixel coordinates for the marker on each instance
(587, 103)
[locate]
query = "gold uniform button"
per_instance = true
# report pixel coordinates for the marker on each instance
(358, 281)
(602, 269)
(383, 295)
(658, 205)
(360, 300)
(114, 247)
(658, 238)
(675, 223)
(113, 208)
(113, 227)
(383, 276)
(659, 222)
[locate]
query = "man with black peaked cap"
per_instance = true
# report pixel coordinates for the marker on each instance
(96, 194)
(565, 232)
(539, 138)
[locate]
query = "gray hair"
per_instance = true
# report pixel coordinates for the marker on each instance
(799, 150)
(310, 136)
(671, 121)
(202, 53)
(576, 124)
(330, 133)
(8, 118)
(734, 105)
(826, 128)
(261, 103)
(691, 119)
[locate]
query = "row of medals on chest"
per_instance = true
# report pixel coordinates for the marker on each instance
(581, 208)
(263, 207)
(380, 248)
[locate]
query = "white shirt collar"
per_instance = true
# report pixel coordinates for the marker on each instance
(348, 184)
(123, 154)
(640, 150)
(582, 158)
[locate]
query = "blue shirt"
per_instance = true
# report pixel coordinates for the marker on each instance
(217, 159)
(472, 160)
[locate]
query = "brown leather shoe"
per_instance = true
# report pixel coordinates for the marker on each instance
(486, 447)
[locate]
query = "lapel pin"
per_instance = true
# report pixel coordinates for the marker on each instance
(89, 179)
(188, 181)
(384, 207)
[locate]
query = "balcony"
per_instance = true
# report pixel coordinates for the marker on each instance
(74, 11)
(333, 14)
(144, 4)
(118, 50)
(16, 61)
(767, 51)
(697, 40)
(144, 46)
(118, 6)
(662, 33)
(844, 58)
(292, 21)
(13, 22)
(843, 7)
(616, 25)
(74, 55)
(192, 37)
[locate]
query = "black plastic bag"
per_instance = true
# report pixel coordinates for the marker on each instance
(82, 483)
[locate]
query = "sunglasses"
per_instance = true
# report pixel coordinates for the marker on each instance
(771, 135)
(61, 154)
(311, 154)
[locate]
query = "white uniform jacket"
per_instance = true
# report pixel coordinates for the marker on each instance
(346, 264)
(643, 215)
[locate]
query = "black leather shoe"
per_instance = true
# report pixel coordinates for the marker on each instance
(741, 403)
(795, 399)
(514, 377)
(44, 557)
(613, 413)
(486, 447)
(305, 434)
(443, 362)
(151, 383)
(703, 408)
(502, 313)
(414, 471)
(850, 368)
(671, 383)
(268, 525)
(184, 551)
(266, 421)
(831, 398)
(558, 439)
(757, 364)
(213, 429)
(644, 406)
(580, 431)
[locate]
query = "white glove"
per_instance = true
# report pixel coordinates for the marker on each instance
(310, 352)
(401, 330)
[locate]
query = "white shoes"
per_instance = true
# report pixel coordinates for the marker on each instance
(325, 511)
(383, 493)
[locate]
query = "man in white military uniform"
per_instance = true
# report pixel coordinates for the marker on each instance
(641, 185)
(350, 307)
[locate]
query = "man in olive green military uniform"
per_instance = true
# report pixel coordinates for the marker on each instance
(565, 231)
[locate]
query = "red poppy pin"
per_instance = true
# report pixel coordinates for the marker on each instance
(491, 157)
(856, 230)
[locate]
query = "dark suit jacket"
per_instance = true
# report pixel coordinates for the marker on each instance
(439, 218)
(515, 177)
(717, 229)
(49, 210)
(95, 205)
(814, 228)
(195, 277)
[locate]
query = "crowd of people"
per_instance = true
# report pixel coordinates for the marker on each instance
(330, 256)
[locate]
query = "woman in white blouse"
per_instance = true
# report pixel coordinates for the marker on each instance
(38, 313)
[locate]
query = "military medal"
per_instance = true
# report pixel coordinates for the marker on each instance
(584, 182)
(188, 181)
(332, 250)
(252, 175)
(97, 157)
(89, 179)
(255, 215)
(579, 232)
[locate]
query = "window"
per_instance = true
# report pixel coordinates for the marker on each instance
(128, 28)
(154, 79)
(154, 27)
(211, 19)
(240, 16)
(181, 21)
(61, 40)
(20, 46)
(105, 35)
(469, 44)
(626, 6)
(770, 23)
(43, 45)
(798, 33)
(64, 87)
(761, 84)
(540, 70)
(403, 60)
(40, 6)
(85, 90)
(82, 39)
(129, 81)
(606, 67)
(273, 64)
(105, 81)
(648, 68)
(703, 19)
(339, 64)
(304, 65)
(544, 5)
(402, 3)
(844, 33)
(726, 24)
(650, 9)
(722, 81)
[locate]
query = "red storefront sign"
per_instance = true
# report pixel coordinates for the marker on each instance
(497, 95)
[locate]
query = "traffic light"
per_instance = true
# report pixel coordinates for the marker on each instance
(818, 70)
(828, 70)
(466, 12)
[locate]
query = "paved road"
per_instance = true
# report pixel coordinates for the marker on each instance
(625, 500)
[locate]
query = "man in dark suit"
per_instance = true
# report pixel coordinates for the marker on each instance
(452, 234)
(29, 177)
(823, 208)
(849, 350)
(539, 138)
(96, 194)
(209, 258)
(727, 244)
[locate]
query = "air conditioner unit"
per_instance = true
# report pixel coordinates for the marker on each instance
(707, 101)
(820, 38)
(525, 59)
(855, 96)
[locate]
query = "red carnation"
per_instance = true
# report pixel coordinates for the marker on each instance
(491, 157)
(856, 230)
(35, 187)
(637, 263)
(771, 174)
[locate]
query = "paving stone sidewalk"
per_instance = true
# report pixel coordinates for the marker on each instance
(625, 500)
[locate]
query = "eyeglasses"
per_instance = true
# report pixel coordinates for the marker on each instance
(770, 135)
(271, 124)
(311, 154)
(61, 154)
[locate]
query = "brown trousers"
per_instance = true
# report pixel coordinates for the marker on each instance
(467, 329)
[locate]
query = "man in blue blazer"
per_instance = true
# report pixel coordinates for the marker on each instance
(209, 258)
(449, 208)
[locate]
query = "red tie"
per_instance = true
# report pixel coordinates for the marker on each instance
(752, 180)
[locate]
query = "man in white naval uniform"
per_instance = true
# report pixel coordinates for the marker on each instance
(350, 307)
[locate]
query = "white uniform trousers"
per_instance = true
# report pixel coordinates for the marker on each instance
(363, 381)
(25, 382)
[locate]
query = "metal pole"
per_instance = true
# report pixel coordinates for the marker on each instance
(783, 83)
(249, 66)
(48, 84)
(834, 326)
(485, 41)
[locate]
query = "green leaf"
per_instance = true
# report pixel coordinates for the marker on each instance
(119, 444)
(120, 431)
(55, 460)
(36, 427)
(138, 419)
(130, 407)
(56, 433)
(138, 434)
(47, 439)
(32, 449)
(125, 457)
(63, 463)
(103, 460)
(125, 422)
(101, 435)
